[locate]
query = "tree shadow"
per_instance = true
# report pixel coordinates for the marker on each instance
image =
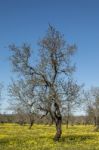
(6, 140)
(76, 138)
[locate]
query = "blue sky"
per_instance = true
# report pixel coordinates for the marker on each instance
(27, 21)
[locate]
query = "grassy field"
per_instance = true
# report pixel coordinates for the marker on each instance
(40, 137)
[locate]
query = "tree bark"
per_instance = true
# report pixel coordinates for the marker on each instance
(97, 124)
(31, 120)
(67, 122)
(31, 124)
(58, 123)
(95, 121)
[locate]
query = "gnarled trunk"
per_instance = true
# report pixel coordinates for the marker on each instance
(58, 124)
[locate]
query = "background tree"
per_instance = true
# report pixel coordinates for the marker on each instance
(89, 107)
(71, 94)
(53, 65)
(22, 100)
(92, 99)
(95, 92)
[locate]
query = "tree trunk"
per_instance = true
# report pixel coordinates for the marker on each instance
(97, 124)
(95, 121)
(58, 124)
(31, 124)
(31, 120)
(67, 122)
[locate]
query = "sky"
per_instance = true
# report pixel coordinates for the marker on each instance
(27, 21)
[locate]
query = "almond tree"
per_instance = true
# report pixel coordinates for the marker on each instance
(53, 65)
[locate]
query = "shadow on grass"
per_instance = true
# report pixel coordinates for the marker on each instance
(8, 140)
(76, 138)
(5, 141)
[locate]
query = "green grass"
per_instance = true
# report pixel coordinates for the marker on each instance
(40, 137)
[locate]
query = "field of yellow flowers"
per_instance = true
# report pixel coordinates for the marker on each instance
(40, 137)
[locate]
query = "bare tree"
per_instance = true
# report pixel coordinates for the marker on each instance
(53, 65)
(71, 92)
(89, 107)
(95, 92)
(92, 98)
(22, 99)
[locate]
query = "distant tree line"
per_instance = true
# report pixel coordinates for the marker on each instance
(23, 119)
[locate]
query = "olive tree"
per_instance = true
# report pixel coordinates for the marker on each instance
(53, 65)
(71, 96)
(95, 93)
(22, 100)
(92, 107)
